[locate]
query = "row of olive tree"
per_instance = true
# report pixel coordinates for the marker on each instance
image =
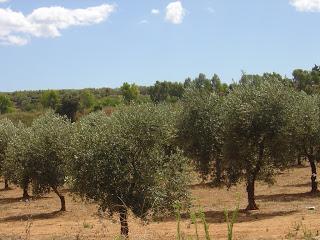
(131, 160)
(252, 133)
(125, 162)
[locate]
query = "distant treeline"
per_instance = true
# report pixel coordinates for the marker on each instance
(25, 105)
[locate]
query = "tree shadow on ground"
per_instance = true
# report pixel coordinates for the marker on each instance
(5, 190)
(243, 216)
(4, 201)
(26, 217)
(201, 185)
(10, 200)
(299, 185)
(287, 197)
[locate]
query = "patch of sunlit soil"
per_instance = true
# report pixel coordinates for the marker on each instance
(283, 207)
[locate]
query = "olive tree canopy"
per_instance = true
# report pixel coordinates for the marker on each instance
(7, 132)
(257, 138)
(201, 131)
(128, 162)
(38, 154)
(305, 129)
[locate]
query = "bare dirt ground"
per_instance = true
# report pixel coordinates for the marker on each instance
(283, 214)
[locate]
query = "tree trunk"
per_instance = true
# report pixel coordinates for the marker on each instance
(251, 199)
(314, 183)
(218, 177)
(299, 161)
(62, 199)
(25, 192)
(252, 178)
(25, 188)
(124, 222)
(6, 184)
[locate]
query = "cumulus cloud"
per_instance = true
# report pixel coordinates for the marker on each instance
(3, 1)
(13, 40)
(306, 5)
(155, 11)
(175, 12)
(17, 28)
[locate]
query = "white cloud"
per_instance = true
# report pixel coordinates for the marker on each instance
(13, 40)
(16, 28)
(306, 5)
(3, 1)
(175, 12)
(155, 11)
(144, 21)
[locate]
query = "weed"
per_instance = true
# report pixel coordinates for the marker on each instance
(87, 225)
(178, 218)
(231, 222)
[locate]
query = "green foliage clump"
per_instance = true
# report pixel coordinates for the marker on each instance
(50, 99)
(166, 91)
(307, 81)
(25, 101)
(130, 92)
(87, 99)
(200, 82)
(129, 161)
(110, 101)
(69, 106)
(219, 87)
(5, 104)
(201, 131)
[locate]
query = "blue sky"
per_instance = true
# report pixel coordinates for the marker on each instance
(117, 41)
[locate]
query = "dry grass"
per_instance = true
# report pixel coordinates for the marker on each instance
(283, 214)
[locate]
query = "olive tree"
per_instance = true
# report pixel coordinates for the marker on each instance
(7, 132)
(38, 154)
(256, 135)
(201, 131)
(129, 162)
(305, 128)
(15, 165)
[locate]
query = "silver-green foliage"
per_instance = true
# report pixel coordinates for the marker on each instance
(201, 130)
(257, 137)
(129, 160)
(38, 153)
(305, 130)
(7, 132)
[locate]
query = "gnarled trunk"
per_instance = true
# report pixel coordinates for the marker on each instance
(314, 183)
(251, 197)
(124, 222)
(25, 192)
(252, 178)
(6, 184)
(62, 199)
